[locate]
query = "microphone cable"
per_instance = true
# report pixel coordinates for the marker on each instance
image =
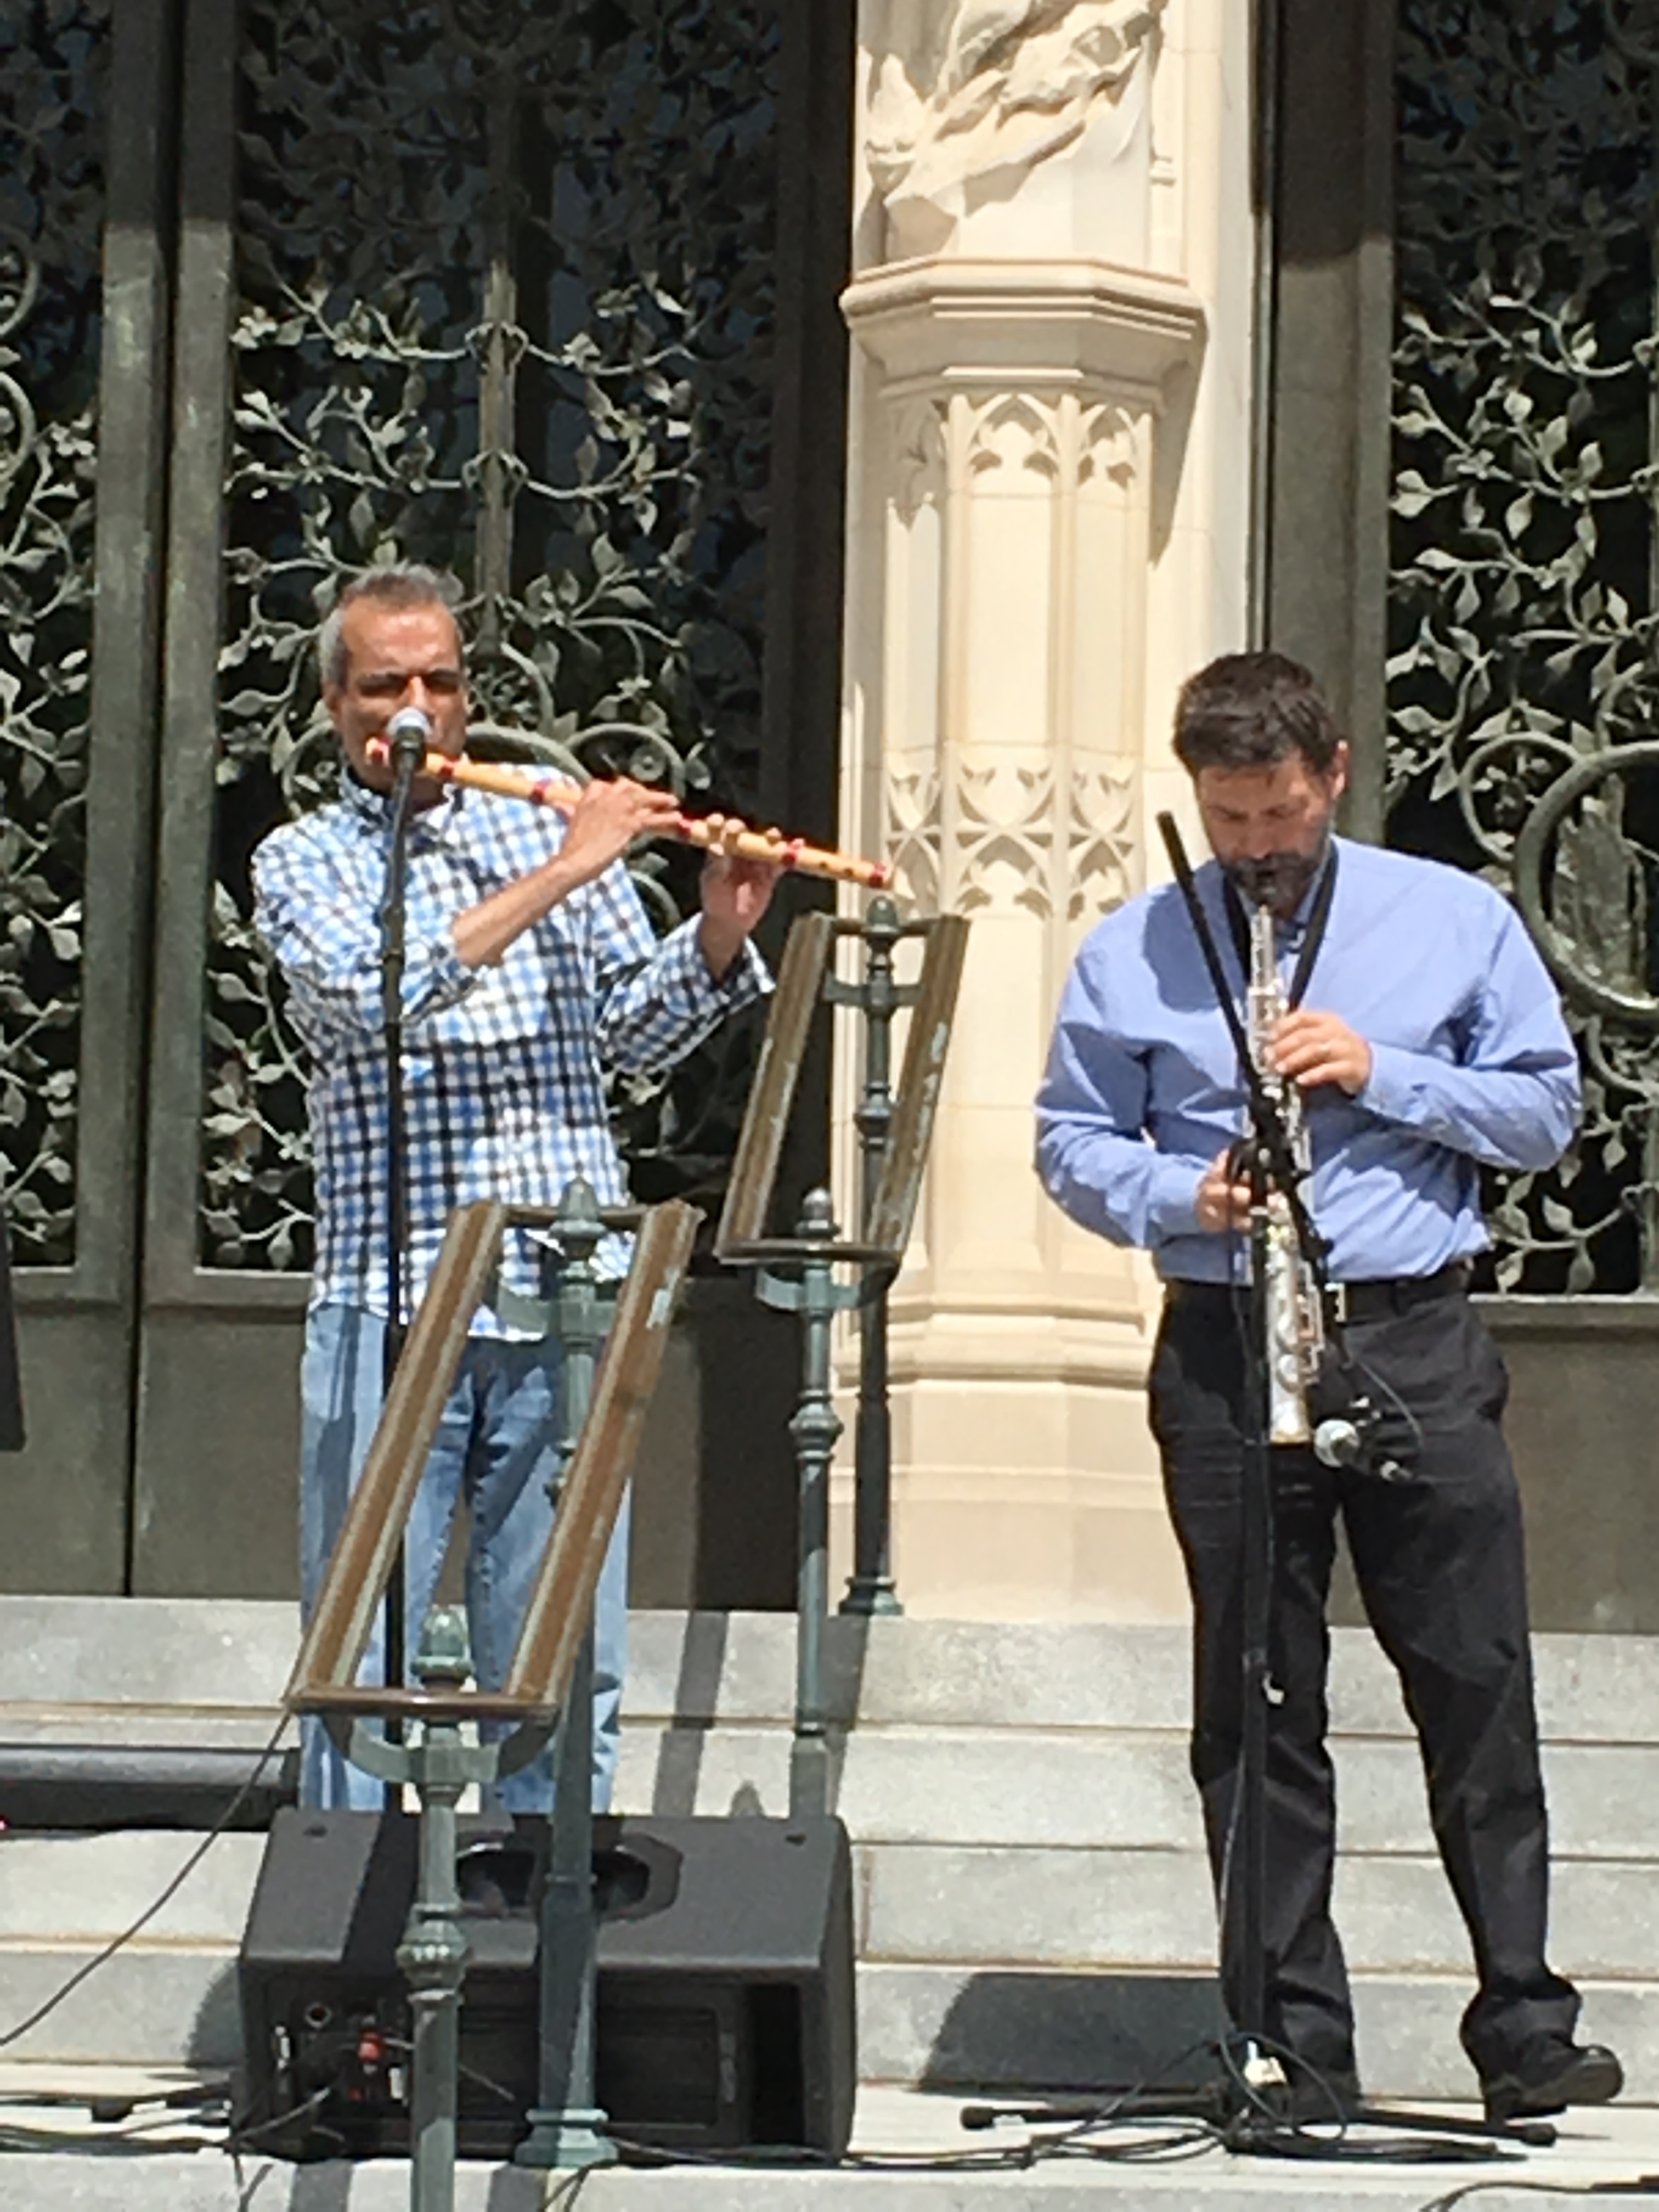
(89, 1966)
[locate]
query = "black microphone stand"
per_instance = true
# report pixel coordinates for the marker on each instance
(1268, 1164)
(407, 736)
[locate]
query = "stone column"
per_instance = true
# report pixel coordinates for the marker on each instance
(1024, 383)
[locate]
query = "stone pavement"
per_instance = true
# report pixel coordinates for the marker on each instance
(1617, 2147)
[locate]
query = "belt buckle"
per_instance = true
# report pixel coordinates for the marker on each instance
(1336, 1295)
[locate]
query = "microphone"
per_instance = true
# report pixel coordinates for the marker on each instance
(1338, 1443)
(408, 734)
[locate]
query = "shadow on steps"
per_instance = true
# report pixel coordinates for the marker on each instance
(1030, 2031)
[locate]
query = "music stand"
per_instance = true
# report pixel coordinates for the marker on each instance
(439, 1765)
(816, 1249)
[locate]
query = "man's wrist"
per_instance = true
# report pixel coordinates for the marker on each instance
(721, 945)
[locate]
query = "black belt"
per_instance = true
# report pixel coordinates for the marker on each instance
(1364, 1301)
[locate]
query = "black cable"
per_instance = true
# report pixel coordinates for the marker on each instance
(248, 2137)
(800, 2158)
(90, 1966)
(467, 2073)
(1645, 2184)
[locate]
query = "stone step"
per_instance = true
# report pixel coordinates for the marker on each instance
(118, 1656)
(982, 2029)
(1028, 1836)
(981, 1924)
(917, 1904)
(936, 2025)
(904, 1785)
(1071, 1675)
(894, 1785)
(900, 1783)
(102, 1663)
(1152, 1910)
(76, 1888)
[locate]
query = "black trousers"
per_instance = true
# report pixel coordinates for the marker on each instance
(1442, 1569)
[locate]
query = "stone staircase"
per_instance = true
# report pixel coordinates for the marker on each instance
(1033, 1908)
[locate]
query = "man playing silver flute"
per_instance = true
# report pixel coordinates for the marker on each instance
(1424, 1039)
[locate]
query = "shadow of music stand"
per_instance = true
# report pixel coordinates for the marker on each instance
(439, 1765)
(809, 1257)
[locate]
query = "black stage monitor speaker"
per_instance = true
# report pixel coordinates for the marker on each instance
(726, 1984)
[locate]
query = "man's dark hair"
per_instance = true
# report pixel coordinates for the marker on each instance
(1254, 710)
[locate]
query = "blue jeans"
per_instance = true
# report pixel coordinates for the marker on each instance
(497, 1446)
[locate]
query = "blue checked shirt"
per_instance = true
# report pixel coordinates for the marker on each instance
(503, 1089)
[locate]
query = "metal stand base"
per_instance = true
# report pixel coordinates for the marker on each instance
(566, 2140)
(877, 1601)
(1247, 2129)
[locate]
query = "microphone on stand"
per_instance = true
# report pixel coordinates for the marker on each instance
(408, 735)
(1339, 1442)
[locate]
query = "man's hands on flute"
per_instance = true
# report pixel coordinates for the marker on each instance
(608, 815)
(1312, 1049)
(736, 893)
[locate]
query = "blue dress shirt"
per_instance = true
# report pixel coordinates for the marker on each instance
(1471, 1062)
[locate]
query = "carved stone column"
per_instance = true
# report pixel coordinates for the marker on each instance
(1021, 395)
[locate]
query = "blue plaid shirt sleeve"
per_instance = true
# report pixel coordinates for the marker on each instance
(656, 1000)
(323, 931)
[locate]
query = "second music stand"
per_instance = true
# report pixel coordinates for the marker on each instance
(797, 1272)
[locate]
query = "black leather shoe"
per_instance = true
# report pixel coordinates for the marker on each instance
(1552, 2076)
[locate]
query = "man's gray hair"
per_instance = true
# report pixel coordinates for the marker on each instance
(395, 584)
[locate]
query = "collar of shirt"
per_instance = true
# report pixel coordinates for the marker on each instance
(430, 825)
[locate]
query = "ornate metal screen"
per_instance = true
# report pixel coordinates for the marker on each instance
(1522, 612)
(52, 207)
(504, 297)
(544, 295)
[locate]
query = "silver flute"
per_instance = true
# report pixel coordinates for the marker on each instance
(1295, 1311)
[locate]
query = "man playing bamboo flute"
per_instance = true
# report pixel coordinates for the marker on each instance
(530, 967)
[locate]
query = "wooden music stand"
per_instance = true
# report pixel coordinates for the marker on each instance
(813, 1253)
(438, 1763)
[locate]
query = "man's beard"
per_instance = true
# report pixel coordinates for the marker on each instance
(1280, 881)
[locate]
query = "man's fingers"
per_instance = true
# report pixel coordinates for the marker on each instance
(1320, 1071)
(1294, 1059)
(1222, 1202)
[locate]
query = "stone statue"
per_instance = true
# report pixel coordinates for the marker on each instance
(969, 99)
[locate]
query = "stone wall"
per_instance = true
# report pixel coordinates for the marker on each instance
(1047, 529)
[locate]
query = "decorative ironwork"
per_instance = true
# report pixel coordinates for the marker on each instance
(50, 210)
(505, 301)
(1522, 605)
